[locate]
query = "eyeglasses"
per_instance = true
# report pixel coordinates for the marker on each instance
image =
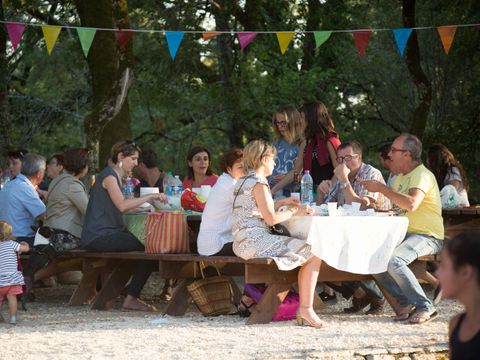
(346, 158)
(280, 123)
(394, 150)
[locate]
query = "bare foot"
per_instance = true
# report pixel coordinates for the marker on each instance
(135, 304)
(307, 316)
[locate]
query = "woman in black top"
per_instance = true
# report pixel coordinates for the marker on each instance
(104, 230)
(459, 275)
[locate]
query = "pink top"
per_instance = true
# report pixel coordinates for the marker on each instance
(209, 180)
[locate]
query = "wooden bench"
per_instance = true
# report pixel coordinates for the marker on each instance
(116, 269)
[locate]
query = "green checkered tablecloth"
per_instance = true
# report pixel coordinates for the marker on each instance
(135, 223)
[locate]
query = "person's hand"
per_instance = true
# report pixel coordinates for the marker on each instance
(291, 201)
(341, 172)
(278, 178)
(324, 187)
(305, 210)
(160, 197)
(372, 185)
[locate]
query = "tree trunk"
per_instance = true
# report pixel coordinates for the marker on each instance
(309, 46)
(5, 139)
(111, 75)
(423, 85)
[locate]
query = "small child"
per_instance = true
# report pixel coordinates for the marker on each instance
(11, 280)
(459, 275)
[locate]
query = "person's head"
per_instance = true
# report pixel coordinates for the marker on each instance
(146, 161)
(384, 158)
(460, 265)
(198, 162)
(76, 162)
(259, 154)
(15, 159)
(440, 160)
(318, 121)
(33, 167)
(5, 231)
(232, 163)
(55, 166)
(124, 154)
(288, 124)
(350, 154)
(405, 153)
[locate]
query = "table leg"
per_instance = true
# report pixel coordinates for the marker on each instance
(264, 311)
(181, 299)
(237, 294)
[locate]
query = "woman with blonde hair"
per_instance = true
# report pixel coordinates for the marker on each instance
(288, 127)
(254, 212)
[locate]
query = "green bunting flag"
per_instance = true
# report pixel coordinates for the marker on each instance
(321, 37)
(86, 36)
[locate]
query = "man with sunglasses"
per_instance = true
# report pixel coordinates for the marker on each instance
(415, 194)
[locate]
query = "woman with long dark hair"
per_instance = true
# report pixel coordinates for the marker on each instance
(199, 171)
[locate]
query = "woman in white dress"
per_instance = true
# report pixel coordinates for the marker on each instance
(254, 212)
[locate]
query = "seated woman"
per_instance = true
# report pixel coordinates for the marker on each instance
(199, 172)
(254, 212)
(104, 229)
(215, 236)
(451, 178)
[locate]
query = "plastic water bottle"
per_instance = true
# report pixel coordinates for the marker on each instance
(128, 188)
(168, 183)
(306, 188)
(177, 189)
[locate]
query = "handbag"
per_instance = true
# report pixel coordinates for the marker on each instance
(212, 295)
(166, 233)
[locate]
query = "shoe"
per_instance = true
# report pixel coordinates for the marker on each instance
(13, 320)
(301, 321)
(437, 295)
(327, 298)
(139, 305)
(243, 309)
(422, 317)
(358, 304)
(376, 307)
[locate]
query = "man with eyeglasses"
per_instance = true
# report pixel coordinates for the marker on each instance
(416, 195)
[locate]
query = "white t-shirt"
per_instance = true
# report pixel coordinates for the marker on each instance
(9, 274)
(216, 225)
(454, 174)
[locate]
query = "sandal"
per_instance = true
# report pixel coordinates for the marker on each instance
(404, 314)
(243, 309)
(422, 317)
(139, 305)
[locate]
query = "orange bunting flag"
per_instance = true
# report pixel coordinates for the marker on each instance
(50, 33)
(210, 35)
(447, 33)
(284, 39)
(361, 38)
(123, 37)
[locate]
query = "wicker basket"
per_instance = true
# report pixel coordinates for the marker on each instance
(212, 295)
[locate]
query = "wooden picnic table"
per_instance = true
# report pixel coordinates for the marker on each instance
(457, 220)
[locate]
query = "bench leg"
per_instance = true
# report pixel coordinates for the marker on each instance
(181, 299)
(264, 311)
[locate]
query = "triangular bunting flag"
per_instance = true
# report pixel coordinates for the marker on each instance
(50, 33)
(210, 35)
(361, 38)
(86, 36)
(174, 38)
(401, 37)
(15, 32)
(123, 37)
(284, 39)
(245, 38)
(447, 33)
(321, 37)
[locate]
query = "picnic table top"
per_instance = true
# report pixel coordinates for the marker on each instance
(461, 211)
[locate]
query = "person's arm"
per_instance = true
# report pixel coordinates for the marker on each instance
(78, 197)
(409, 202)
(286, 202)
(24, 247)
(297, 168)
(111, 185)
(332, 153)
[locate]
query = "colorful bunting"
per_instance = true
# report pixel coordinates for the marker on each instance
(284, 39)
(86, 36)
(15, 32)
(447, 33)
(321, 37)
(123, 37)
(50, 33)
(361, 38)
(210, 35)
(174, 38)
(245, 38)
(401, 37)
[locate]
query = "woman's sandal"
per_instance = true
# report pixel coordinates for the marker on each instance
(405, 314)
(243, 309)
(422, 317)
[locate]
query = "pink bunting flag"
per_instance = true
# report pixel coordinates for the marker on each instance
(15, 32)
(123, 37)
(245, 38)
(361, 38)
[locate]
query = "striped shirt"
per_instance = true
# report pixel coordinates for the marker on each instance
(9, 274)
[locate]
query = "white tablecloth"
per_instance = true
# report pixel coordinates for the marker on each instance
(357, 244)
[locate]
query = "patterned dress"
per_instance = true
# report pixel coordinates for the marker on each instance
(251, 234)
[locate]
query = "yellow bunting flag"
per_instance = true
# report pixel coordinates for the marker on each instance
(50, 33)
(210, 35)
(284, 39)
(447, 33)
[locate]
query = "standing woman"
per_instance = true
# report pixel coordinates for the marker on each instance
(319, 152)
(254, 212)
(449, 172)
(288, 127)
(199, 171)
(104, 229)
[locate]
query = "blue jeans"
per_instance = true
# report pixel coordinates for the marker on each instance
(399, 280)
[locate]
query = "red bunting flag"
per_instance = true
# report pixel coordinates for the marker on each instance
(361, 38)
(447, 33)
(15, 32)
(210, 35)
(123, 37)
(245, 38)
